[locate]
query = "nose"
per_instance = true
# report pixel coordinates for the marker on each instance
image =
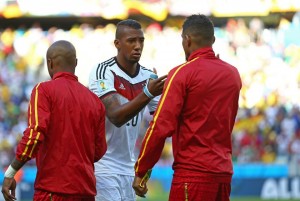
(138, 45)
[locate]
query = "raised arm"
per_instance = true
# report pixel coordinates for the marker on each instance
(119, 114)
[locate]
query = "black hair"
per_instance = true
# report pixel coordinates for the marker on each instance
(129, 23)
(199, 25)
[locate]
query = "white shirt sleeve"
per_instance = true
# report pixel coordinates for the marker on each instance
(101, 86)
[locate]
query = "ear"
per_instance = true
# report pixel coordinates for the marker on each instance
(117, 43)
(75, 62)
(49, 64)
(214, 39)
(188, 40)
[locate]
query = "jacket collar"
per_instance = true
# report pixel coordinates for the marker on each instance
(206, 52)
(66, 75)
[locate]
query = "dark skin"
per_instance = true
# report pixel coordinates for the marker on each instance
(61, 57)
(129, 44)
(190, 43)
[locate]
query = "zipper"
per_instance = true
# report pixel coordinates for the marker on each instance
(186, 192)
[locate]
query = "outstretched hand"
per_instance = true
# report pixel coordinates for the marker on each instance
(156, 86)
(139, 187)
(9, 189)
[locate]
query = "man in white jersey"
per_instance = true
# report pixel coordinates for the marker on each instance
(125, 89)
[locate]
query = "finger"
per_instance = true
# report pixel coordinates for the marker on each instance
(13, 193)
(140, 194)
(161, 78)
(140, 191)
(154, 70)
(12, 198)
(162, 83)
(137, 191)
(144, 189)
(8, 197)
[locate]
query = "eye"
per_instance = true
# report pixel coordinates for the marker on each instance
(131, 40)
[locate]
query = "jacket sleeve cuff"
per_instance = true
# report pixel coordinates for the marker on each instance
(140, 174)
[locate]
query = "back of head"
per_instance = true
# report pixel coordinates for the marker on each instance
(61, 57)
(126, 23)
(200, 28)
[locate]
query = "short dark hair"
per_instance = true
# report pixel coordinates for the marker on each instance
(199, 25)
(129, 23)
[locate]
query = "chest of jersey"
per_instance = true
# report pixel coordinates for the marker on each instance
(127, 88)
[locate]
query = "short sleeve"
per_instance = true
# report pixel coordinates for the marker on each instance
(101, 86)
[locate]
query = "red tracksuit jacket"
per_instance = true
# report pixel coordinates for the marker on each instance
(66, 134)
(198, 109)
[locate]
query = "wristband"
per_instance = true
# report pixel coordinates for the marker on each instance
(147, 92)
(10, 172)
(153, 76)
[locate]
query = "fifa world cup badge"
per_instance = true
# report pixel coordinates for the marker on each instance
(101, 85)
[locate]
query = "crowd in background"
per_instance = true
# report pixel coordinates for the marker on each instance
(267, 127)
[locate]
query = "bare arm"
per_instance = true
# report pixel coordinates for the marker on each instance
(16, 164)
(119, 114)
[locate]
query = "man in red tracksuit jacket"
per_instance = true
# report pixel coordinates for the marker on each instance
(66, 133)
(198, 108)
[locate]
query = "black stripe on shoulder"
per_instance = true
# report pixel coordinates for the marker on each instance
(97, 71)
(143, 68)
(111, 61)
(104, 70)
(101, 68)
(100, 73)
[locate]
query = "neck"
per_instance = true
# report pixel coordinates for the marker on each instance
(130, 67)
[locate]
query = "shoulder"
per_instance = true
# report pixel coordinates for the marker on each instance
(179, 68)
(100, 69)
(146, 70)
(230, 67)
(43, 85)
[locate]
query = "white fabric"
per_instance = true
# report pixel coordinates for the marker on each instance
(115, 188)
(120, 156)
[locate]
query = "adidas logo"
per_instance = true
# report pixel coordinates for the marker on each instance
(122, 86)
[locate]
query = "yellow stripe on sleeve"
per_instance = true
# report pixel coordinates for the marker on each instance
(36, 107)
(30, 122)
(150, 129)
(35, 142)
(30, 136)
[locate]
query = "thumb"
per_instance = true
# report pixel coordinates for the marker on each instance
(154, 70)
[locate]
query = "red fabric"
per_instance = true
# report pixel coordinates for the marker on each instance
(200, 191)
(46, 196)
(197, 109)
(66, 134)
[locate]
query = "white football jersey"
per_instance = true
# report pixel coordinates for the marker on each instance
(109, 77)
